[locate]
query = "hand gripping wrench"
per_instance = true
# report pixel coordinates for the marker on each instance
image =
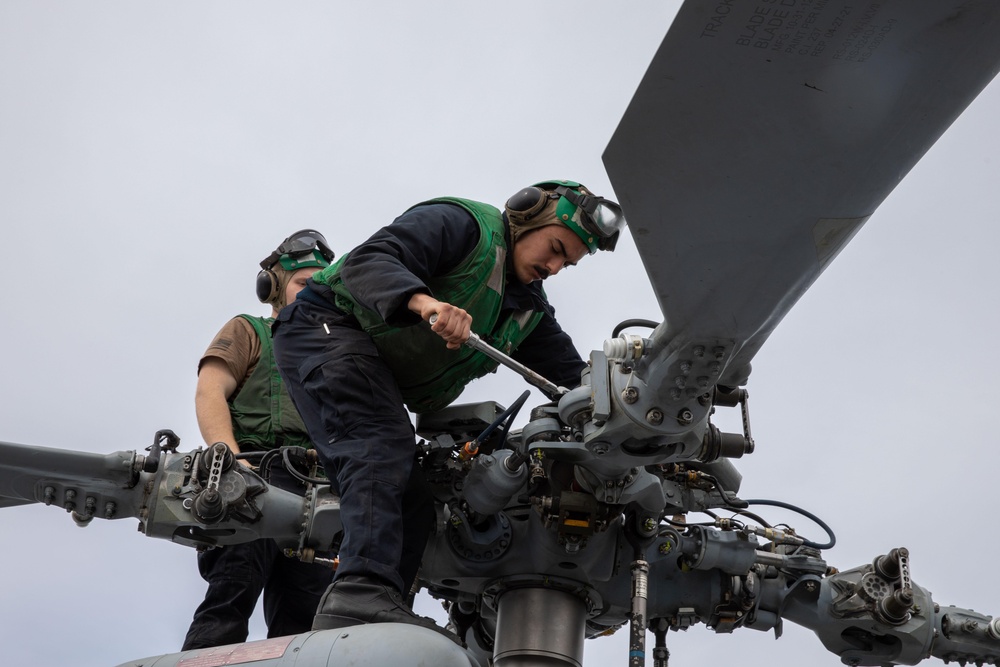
(476, 343)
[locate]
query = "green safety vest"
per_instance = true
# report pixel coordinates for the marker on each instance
(262, 411)
(430, 376)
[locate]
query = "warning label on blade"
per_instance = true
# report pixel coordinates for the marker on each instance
(848, 31)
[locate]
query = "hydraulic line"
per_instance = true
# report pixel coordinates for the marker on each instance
(809, 515)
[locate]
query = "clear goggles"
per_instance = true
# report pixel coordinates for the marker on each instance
(603, 216)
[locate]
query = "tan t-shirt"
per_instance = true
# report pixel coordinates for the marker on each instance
(238, 345)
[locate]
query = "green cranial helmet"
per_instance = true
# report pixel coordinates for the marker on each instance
(596, 220)
(303, 249)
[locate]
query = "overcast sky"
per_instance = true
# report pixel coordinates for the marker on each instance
(152, 153)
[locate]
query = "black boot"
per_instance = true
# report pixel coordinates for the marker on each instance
(354, 600)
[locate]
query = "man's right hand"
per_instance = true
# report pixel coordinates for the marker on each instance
(452, 323)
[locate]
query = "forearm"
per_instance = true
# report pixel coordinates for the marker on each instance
(399, 261)
(211, 406)
(215, 422)
(549, 351)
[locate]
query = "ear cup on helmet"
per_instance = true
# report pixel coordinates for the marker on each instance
(526, 203)
(267, 286)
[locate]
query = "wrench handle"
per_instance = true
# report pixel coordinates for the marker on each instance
(476, 343)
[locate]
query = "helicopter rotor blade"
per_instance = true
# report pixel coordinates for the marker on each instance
(763, 135)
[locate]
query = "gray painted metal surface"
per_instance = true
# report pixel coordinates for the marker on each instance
(388, 644)
(765, 133)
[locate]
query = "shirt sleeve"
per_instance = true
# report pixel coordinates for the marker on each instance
(398, 260)
(549, 351)
(238, 346)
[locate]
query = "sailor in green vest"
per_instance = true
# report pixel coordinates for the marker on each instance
(357, 346)
(241, 401)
